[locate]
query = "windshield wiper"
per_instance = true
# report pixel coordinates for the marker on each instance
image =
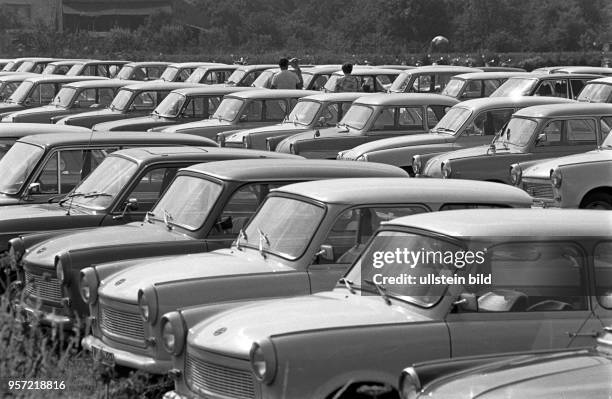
(241, 236)
(263, 238)
(444, 130)
(168, 219)
(382, 291)
(148, 216)
(90, 194)
(348, 284)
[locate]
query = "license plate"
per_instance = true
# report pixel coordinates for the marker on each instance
(102, 356)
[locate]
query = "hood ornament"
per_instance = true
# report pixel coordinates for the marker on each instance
(220, 331)
(119, 282)
(41, 250)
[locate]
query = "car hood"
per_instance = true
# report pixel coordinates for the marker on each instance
(403, 141)
(34, 211)
(530, 377)
(260, 320)
(196, 125)
(6, 107)
(145, 121)
(542, 169)
(37, 110)
(284, 127)
(131, 233)
(223, 262)
(284, 145)
(105, 111)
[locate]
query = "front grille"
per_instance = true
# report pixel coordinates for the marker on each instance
(539, 190)
(123, 324)
(220, 380)
(43, 287)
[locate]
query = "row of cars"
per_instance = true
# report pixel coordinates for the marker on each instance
(222, 269)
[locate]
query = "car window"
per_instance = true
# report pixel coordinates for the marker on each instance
(151, 186)
(605, 126)
(252, 112)
(552, 134)
(276, 110)
(319, 82)
(490, 85)
(144, 101)
(154, 72)
(201, 107)
(105, 96)
(86, 98)
(473, 89)
(354, 227)
(410, 118)
(531, 277)
(385, 120)
(42, 94)
(432, 117)
(330, 114)
(65, 168)
(602, 260)
(577, 85)
(441, 81)
(488, 123)
(422, 84)
(581, 131)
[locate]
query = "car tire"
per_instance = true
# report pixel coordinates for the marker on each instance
(598, 200)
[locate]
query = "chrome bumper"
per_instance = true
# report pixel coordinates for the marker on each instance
(128, 359)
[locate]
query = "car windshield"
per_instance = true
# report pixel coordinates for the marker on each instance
(388, 243)
(401, 82)
(8, 88)
(169, 74)
(197, 75)
(125, 72)
(228, 109)
(356, 117)
(16, 166)
(518, 132)
(75, 70)
(8, 67)
(452, 121)
(453, 88)
(304, 112)
(64, 97)
(595, 93)
(283, 227)
(608, 141)
(188, 200)
(121, 100)
(306, 78)
(21, 93)
(101, 187)
(26, 66)
(235, 77)
(171, 105)
(263, 80)
(515, 87)
(49, 69)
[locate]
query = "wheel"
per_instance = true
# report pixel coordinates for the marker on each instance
(598, 200)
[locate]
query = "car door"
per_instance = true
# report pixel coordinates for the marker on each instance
(536, 298)
(347, 237)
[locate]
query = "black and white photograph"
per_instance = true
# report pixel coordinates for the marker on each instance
(282, 199)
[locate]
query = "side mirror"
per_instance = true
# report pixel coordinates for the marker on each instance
(33, 188)
(27, 101)
(467, 302)
(132, 204)
(541, 138)
(243, 118)
(76, 104)
(226, 223)
(326, 252)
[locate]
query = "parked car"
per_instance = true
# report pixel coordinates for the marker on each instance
(371, 80)
(427, 79)
(179, 106)
(131, 101)
(575, 181)
(466, 124)
(597, 91)
(30, 168)
(550, 85)
(245, 75)
(11, 132)
(59, 67)
(72, 98)
(580, 373)
(476, 84)
(142, 70)
(310, 233)
(9, 83)
(38, 91)
(543, 131)
(376, 321)
(27, 64)
(179, 72)
(244, 110)
(370, 118)
(4, 62)
(311, 112)
(212, 74)
(105, 68)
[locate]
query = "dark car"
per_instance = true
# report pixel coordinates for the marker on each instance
(212, 74)
(542, 84)
(142, 70)
(11, 132)
(73, 98)
(130, 101)
(45, 168)
(582, 373)
(372, 117)
(180, 106)
(104, 68)
(38, 91)
(538, 132)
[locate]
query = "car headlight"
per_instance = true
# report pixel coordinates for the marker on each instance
(173, 333)
(147, 304)
(516, 174)
(263, 361)
(362, 158)
(409, 384)
(417, 164)
(446, 170)
(59, 269)
(88, 285)
(556, 177)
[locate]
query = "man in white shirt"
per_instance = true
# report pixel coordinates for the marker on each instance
(285, 79)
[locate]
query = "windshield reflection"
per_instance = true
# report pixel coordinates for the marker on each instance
(64, 97)
(515, 87)
(171, 106)
(121, 100)
(228, 109)
(304, 112)
(17, 165)
(21, 93)
(518, 132)
(452, 121)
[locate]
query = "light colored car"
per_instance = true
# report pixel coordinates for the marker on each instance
(486, 281)
(318, 111)
(583, 373)
(597, 91)
(427, 79)
(142, 71)
(180, 72)
(372, 117)
(212, 74)
(476, 84)
(245, 75)
(533, 133)
(105, 68)
(301, 240)
(244, 110)
(575, 181)
(370, 79)
(542, 84)
(467, 124)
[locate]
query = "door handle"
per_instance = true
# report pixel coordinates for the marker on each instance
(592, 334)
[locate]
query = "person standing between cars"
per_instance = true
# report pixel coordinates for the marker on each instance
(294, 63)
(348, 82)
(284, 79)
